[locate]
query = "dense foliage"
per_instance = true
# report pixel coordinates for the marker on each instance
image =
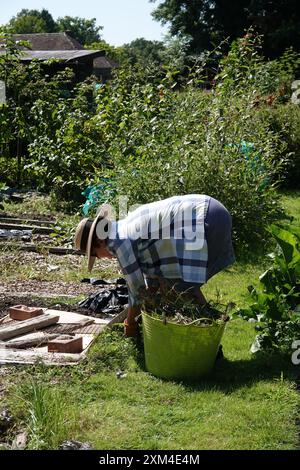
(284, 121)
(162, 142)
(276, 305)
(153, 132)
(28, 89)
(173, 52)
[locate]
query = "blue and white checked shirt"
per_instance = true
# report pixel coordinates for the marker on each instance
(162, 239)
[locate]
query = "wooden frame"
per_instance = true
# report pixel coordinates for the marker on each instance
(40, 354)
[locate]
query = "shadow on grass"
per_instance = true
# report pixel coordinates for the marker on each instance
(231, 375)
(228, 376)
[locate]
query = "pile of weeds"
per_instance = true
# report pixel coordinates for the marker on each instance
(182, 309)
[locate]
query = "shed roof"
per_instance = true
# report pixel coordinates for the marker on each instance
(62, 56)
(61, 46)
(50, 41)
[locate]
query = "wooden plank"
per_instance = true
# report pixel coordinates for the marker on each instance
(24, 356)
(72, 317)
(94, 329)
(66, 318)
(118, 318)
(25, 326)
(34, 228)
(54, 250)
(17, 356)
(24, 220)
(39, 340)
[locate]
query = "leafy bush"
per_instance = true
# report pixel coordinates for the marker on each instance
(162, 142)
(273, 78)
(63, 152)
(32, 94)
(277, 303)
(284, 121)
(155, 135)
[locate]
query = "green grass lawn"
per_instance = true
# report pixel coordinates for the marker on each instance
(246, 402)
(290, 202)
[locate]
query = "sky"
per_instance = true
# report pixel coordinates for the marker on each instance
(122, 20)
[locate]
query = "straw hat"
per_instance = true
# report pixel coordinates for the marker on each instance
(85, 231)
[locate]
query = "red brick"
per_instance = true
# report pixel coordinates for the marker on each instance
(72, 346)
(22, 312)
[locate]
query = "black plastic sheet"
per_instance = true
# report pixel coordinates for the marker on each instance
(109, 301)
(24, 235)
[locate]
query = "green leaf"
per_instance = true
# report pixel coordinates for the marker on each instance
(288, 243)
(267, 279)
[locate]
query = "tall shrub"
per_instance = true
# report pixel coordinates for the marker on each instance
(162, 142)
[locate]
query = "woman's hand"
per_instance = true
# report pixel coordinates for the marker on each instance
(131, 328)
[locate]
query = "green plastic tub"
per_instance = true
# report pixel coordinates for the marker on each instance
(175, 351)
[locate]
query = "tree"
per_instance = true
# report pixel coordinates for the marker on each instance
(112, 52)
(35, 21)
(32, 21)
(279, 22)
(208, 22)
(85, 31)
(175, 53)
(172, 52)
(142, 50)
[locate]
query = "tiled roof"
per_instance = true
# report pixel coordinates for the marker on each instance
(49, 41)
